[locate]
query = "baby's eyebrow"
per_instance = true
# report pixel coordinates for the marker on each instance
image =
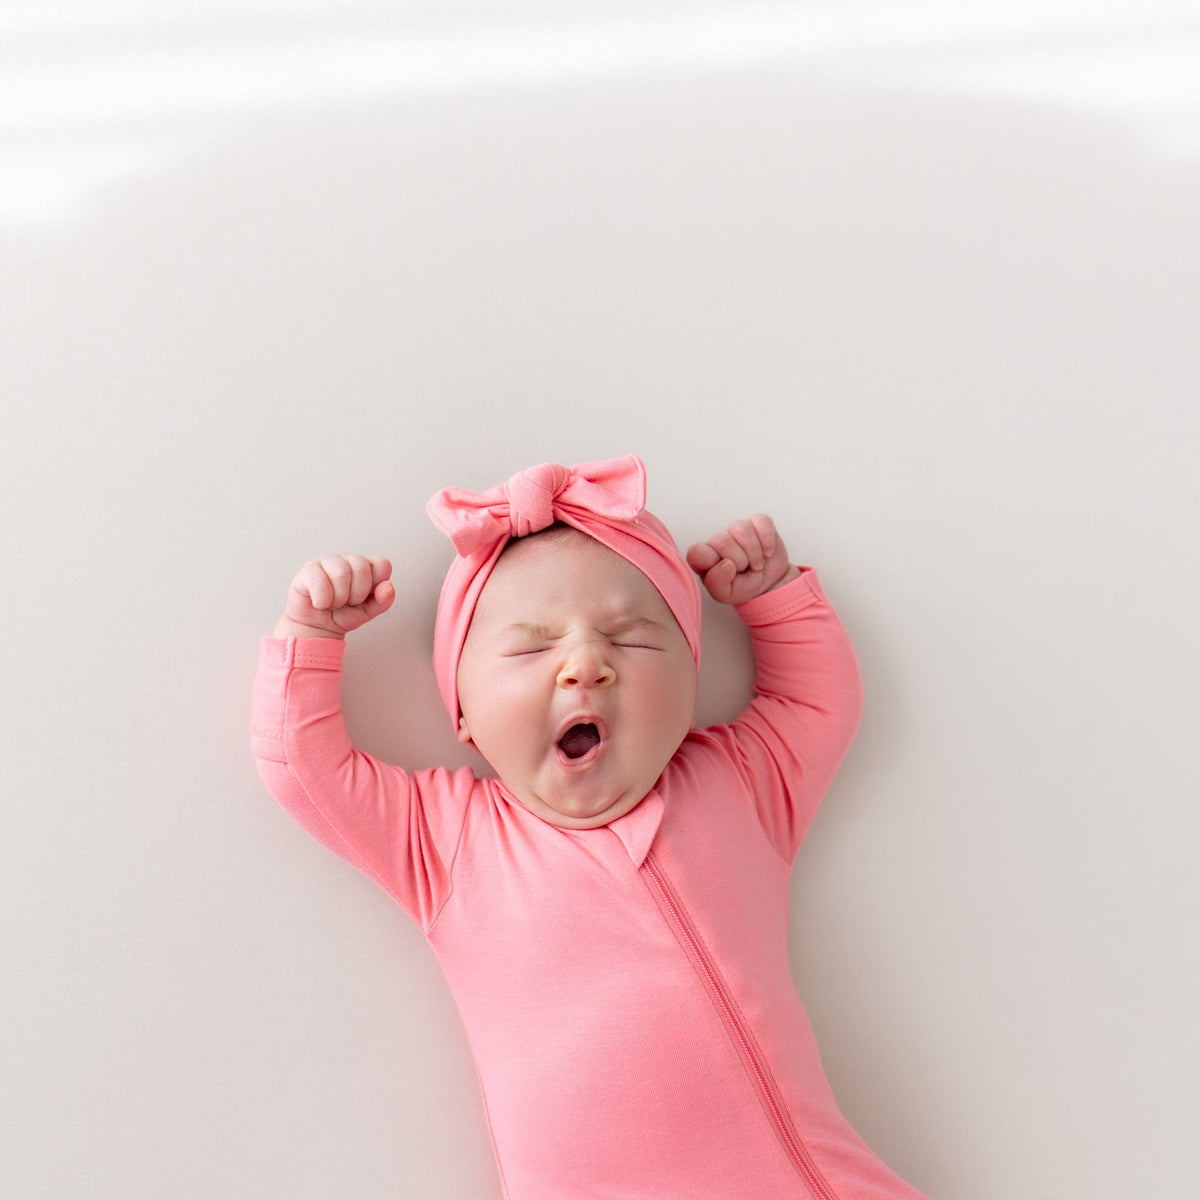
(627, 623)
(529, 627)
(624, 625)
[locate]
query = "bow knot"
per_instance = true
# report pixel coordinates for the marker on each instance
(531, 496)
(538, 496)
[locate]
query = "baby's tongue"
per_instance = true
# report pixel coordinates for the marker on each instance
(578, 740)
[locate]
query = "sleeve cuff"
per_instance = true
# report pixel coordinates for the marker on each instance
(316, 653)
(783, 601)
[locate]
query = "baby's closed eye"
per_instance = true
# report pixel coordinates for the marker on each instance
(522, 650)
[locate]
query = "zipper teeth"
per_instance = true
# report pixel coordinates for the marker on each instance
(717, 986)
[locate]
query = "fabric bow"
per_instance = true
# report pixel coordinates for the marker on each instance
(535, 498)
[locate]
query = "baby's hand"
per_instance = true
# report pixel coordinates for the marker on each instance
(333, 595)
(742, 561)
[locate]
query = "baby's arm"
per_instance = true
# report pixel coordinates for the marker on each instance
(789, 742)
(399, 829)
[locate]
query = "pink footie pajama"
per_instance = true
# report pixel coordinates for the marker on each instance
(626, 989)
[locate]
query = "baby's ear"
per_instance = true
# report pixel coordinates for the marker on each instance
(464, 734)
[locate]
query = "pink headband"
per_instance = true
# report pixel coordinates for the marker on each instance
(603, 499)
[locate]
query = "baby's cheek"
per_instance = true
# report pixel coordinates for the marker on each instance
(517, 709)
(674, 698)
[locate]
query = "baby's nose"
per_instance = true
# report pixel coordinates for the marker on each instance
(586, 668)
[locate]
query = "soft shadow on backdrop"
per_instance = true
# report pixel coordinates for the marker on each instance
(920, 282)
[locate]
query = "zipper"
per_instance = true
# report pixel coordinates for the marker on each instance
(743, 1039)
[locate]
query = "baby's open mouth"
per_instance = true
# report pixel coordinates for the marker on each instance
(579, 739)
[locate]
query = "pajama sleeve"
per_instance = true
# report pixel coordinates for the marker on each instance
(787, 745)
(400, 829)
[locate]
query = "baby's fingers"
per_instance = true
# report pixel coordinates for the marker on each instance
(362, 579)
(727, 545)
(313, 583)
(765, 528)
(337, 580)
(702, 557)
(369, 589)
(748, 544)
(380, 599)
(339, 571)
(749, 536)
(719, 580)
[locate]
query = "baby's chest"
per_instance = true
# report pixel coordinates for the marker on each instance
(585, 900)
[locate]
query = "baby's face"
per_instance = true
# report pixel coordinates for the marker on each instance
(575, 681)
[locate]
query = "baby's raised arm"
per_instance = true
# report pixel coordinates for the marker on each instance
(336, 594)
(398, 827)
(787, 744)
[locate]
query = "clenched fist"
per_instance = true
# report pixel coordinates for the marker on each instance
(742, 561)
(333, 595)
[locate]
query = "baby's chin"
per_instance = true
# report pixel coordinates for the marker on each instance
(581, 813)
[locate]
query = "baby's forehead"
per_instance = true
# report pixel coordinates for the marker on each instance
(558, 538)
(558, 548)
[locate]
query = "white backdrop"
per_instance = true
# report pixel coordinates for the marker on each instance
(918, 279)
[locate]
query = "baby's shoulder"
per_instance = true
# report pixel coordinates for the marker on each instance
(706, 754)
(458, 782)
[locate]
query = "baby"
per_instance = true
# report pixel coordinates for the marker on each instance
(611, 911)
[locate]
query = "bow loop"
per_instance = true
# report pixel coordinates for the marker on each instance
(537, 497)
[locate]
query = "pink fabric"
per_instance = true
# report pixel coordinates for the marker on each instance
(626, 989)
(606, 500)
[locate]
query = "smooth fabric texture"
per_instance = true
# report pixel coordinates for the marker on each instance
(626, 989)
(606, 500)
